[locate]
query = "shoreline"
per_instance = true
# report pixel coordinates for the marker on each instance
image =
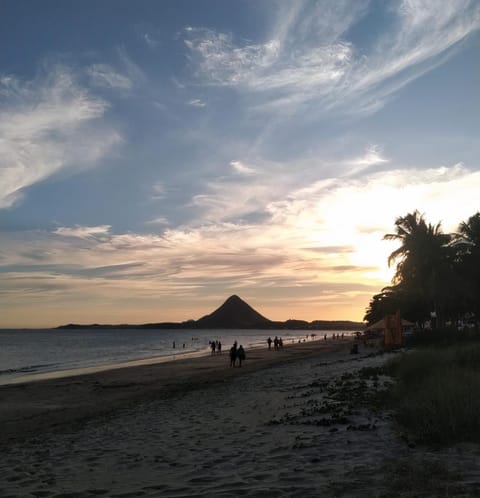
(81, 371)
(42, 404)
(106, 353)
(171, 357)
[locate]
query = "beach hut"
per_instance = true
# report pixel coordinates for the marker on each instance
(388, 332)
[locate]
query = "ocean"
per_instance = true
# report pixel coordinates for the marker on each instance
(27, 353)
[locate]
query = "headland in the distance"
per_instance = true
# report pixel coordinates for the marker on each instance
(234, 313)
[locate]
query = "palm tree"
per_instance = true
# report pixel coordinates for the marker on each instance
(467, 244)
(424, 261)
(390, 300)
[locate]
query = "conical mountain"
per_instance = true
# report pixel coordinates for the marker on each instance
(234, 313)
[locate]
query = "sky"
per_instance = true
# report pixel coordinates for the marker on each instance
(158, 157)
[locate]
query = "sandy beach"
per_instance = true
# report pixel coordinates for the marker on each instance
(288, 423)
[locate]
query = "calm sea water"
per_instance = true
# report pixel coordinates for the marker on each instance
(28, 352)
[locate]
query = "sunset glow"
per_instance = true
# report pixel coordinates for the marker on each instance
(154, 162)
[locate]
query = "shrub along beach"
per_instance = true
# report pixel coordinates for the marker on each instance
(435, 396)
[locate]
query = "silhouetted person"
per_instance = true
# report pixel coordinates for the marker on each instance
(275, 343)
(240, 355)
(233, 356)
(219, 347)
(280, 342)
(269, 341)
(173, 345)
(212, 345)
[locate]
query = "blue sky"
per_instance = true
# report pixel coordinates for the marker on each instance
(156, 157)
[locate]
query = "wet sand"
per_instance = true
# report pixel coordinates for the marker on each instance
(288, 423)
(49, 401)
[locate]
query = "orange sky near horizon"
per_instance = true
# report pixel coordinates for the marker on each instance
(185, 154)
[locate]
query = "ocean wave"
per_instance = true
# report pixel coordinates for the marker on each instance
(27, 369)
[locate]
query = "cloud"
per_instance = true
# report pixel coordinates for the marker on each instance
(158, 221)
(48, 125)
(104, 75)
(308, 56)
(197, 103)
(252, 66)
(135, 73)
(371, 157)
(241, 168)
(159, 191)
(151, 41)
(72, 270)
(83, 232)
(226, 199)
(323, 243)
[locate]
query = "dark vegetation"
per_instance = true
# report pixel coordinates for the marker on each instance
(437, 276)
(435, 394)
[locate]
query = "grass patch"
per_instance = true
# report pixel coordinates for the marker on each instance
(420, 477)
(436, 394)
(442, 337)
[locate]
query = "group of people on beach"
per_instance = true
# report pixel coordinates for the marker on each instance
(215, 346)
(277, 343)
(237, 353)
(335, 336)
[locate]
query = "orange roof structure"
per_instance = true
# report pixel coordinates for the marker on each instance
(390, 329)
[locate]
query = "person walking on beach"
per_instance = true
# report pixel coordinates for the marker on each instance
(241, 355)
(269, 341)
(212, 345)
(275, 343)
(219, 347)
(233, 355)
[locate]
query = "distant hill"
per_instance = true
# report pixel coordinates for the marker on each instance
(234, 313)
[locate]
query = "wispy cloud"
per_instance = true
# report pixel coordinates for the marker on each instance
(48, 125)
(135, 73)
(197, 103)
(73, 270)
(105, 76)
(372, 156)
(83, 232)
(158, 221)
(322, 241)
(242, 168)
(227, 199)
(308, 55)
(159, 191)
(150, 40)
